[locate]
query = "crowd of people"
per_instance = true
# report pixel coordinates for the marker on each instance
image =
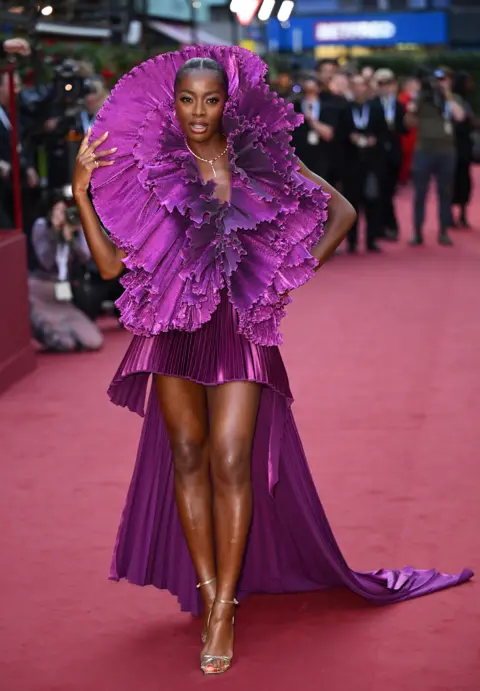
(66, 292)
(367, 133)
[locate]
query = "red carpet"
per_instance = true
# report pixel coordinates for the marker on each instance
(383, 354)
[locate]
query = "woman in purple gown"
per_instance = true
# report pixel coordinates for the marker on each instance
(216, 221)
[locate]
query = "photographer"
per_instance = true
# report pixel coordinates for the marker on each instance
(434, 113)
(60, 249)
(95, 95)
(75, 101)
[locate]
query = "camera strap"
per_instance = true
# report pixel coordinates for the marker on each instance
(312, 109)
(62, 256)
(63, 290)
(447, 116)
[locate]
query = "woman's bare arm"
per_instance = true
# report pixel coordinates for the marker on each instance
(106, 255)
(341, 217)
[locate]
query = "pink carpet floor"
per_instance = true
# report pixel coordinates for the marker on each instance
(384, 359)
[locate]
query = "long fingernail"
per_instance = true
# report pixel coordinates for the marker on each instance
(115, 149)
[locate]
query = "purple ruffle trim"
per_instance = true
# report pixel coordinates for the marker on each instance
(183, 245)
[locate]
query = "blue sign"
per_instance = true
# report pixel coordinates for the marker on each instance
(381, 29)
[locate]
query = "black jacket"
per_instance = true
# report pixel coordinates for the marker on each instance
(393, 142)
(318, 157)
(26, 154)
(358, 160)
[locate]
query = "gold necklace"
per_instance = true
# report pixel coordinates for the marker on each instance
(206, 160)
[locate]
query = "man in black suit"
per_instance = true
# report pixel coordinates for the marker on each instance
(364, 130)
(394, 117)
(313, 140)
(29, 176)
(21, 47)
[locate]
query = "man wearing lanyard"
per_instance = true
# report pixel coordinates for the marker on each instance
(313, 139)
(394, 116)
(363, 130)
(434, 113)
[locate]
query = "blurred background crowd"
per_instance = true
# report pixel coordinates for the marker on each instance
(374, 123)
(368, 132)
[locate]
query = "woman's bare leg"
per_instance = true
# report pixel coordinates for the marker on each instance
(233, 413)
(184, 409)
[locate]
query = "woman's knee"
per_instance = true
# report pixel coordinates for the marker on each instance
(190, 455)
(230, 464)
(91, 339)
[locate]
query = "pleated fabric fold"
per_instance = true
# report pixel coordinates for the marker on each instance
(291, 547)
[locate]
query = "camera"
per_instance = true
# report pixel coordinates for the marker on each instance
(430, 90)
(70, 87)
(73, 217)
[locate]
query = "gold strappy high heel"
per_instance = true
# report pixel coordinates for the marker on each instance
(207, 661)
(200, 585)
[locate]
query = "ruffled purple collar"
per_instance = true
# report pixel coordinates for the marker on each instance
(183, 245)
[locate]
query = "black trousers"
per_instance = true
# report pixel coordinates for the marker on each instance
(389, 216)
(89, 293)
(440, 165)
(30, 199)
(354, 191)
(462, 187)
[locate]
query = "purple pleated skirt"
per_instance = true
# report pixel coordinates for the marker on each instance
(291, 547)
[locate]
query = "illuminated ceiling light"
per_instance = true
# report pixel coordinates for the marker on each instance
(246, 10)
(285, 10)
(235, 5)
(16, 10)
(196, 4)
(266, 10)
(47, 10)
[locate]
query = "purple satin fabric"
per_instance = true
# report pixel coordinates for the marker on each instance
(291, 547)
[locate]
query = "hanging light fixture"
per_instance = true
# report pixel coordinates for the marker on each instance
(245, 10)
(285, 10)
(265, 11)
